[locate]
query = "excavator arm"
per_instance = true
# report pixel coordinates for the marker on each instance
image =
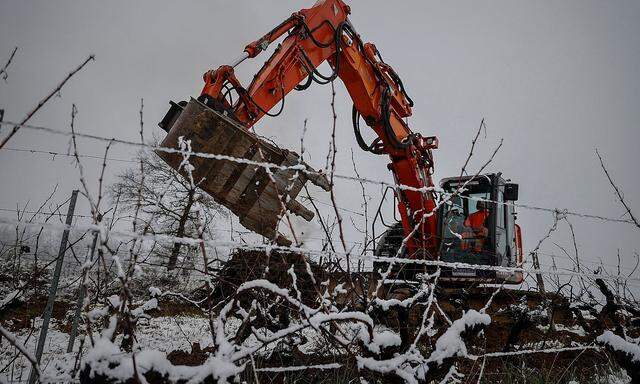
(321, 34)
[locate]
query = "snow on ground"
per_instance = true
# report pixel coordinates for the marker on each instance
(164, 334)
(544, 344)
(172, 333)
(619, 377)
(576, 329)
(55, 360)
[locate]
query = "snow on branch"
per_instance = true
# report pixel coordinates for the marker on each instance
(617, 343)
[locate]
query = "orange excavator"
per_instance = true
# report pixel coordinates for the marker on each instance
(219, 122)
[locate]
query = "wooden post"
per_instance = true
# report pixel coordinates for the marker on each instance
(539, 279)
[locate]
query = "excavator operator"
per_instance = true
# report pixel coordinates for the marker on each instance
(477, 219)
(476, 222)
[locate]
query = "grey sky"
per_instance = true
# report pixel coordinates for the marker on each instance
(554, 79)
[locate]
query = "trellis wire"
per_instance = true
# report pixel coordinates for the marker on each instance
(299, 250)
(301, 168)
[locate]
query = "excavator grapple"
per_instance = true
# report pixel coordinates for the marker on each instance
(258, 195)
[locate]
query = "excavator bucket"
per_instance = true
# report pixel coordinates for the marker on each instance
(258, 197)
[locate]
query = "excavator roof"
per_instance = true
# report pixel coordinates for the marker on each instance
(477, 180)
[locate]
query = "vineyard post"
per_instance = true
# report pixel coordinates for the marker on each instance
(46, 317)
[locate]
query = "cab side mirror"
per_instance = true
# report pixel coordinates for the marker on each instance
(511, 192)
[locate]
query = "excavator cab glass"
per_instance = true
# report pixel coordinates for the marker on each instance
(478, 228)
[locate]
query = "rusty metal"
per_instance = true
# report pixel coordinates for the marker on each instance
(247, 190)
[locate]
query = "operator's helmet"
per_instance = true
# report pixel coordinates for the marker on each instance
(482, 205)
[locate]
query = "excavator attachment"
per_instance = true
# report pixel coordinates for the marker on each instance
(257, 195)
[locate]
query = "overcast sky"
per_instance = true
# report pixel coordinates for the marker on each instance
(555, 79)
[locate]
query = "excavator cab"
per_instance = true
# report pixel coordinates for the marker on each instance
(477, 226)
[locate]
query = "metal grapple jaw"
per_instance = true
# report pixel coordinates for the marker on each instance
(257, 195)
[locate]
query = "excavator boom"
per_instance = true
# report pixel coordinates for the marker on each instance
(322, 33)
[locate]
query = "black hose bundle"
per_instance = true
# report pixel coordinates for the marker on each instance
(313, 75)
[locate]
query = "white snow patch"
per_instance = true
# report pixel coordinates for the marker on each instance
(619, 344)
(576, 329)
(450, 343)
(114, 301)
(9, 298)
(155, 292)
(148, 305)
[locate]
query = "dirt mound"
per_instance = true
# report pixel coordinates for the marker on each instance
(247, 265)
